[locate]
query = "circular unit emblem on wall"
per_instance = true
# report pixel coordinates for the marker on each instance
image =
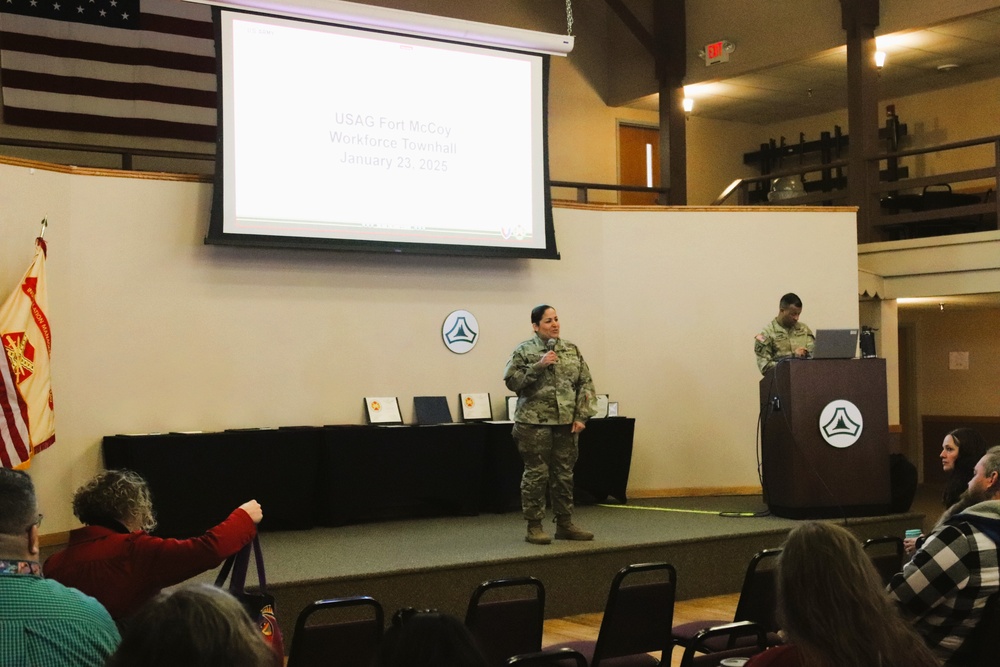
(460, 331)
(841, 423)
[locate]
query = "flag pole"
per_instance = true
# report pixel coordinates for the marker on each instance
(45, 224)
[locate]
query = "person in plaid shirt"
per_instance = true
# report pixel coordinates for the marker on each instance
(947, 583)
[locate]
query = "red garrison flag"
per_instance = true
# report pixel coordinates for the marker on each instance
(131, 67)
(27, 424)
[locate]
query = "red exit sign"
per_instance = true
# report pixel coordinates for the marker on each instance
(716, 53)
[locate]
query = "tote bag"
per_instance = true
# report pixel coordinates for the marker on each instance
(259, 605)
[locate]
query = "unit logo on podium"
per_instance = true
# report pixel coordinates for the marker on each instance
(841, 423)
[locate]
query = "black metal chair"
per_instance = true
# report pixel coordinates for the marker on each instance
(980, 648)
(750, 639)
(506, 617)
(757, 603)
(352, 640)
(637, 618)
(556, 657)
(887, 555)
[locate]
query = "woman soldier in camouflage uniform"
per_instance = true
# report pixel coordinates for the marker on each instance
(555, 397)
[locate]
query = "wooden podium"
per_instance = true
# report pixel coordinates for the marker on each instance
(805, 477)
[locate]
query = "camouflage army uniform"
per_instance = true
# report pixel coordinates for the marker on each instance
(549, 400)
(776, 342)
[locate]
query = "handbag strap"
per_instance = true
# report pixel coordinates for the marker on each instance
(238, 564)
(259, 558)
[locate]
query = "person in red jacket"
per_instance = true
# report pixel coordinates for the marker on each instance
(113, 558)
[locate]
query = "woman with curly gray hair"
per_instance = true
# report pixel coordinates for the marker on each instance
(114, 559)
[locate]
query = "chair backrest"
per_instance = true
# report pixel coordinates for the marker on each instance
(353, 638)
(759, 596)
(556, 657)
(733, 633)
(639, 613)
(887, 554)
(506, 617)
(980, 648)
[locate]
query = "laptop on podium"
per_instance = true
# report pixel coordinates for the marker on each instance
(835, 344)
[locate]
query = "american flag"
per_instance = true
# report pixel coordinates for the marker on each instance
(131, 67)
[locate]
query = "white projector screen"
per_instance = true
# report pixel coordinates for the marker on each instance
(342, 137)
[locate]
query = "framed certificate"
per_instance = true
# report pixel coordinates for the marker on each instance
(382, 410)
(613, 409)
(475, 407)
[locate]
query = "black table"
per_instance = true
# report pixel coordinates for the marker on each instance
(337, 475)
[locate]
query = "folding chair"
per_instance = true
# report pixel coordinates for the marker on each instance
(735, 634)
(980, 648)
(637, 617)
(887, 554)
(351, 641)
(506, 617)
(758, 602)
(555, 657)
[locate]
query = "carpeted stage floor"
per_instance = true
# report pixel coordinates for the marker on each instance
(437, 562)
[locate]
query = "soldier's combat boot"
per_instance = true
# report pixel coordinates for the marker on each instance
(565, 530)
(536, 535)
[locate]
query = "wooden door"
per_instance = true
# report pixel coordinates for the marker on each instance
(638, 162)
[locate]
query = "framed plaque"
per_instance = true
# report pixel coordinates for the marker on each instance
(382, 410)
(475, 407)
(613, 409)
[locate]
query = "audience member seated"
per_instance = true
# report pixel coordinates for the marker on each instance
(961, 449)
(944, 588)
(833, 609)
(426, 638)
(115, 560)
(42, 623)
(196, 625)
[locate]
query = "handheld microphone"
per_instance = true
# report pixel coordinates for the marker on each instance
(550, 345)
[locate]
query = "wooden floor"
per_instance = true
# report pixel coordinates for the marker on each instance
(585, 626)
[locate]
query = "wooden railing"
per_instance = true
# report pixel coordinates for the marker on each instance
(125, 155)
(910, 207)
(583, 189)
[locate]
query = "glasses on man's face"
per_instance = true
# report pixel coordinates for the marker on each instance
(38, 522)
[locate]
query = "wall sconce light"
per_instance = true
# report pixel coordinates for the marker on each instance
(880, 60)
(688, 105)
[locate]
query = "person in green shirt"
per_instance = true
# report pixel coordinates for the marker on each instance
(785, 336)
(42, 622)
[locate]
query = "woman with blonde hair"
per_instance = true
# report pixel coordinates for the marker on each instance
(833, 608)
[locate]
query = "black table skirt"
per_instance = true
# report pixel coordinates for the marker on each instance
(337, 475)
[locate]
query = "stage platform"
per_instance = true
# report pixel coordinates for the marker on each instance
(437, 562)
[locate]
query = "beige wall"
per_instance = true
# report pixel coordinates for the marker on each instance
(155, 331)
(939, 390)
(943, 391)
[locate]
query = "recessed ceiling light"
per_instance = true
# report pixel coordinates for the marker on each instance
(947, 67)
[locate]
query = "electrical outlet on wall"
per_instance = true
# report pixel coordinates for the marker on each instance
(958, 361)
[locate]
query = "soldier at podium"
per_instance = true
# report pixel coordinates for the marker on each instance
(785, 336)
